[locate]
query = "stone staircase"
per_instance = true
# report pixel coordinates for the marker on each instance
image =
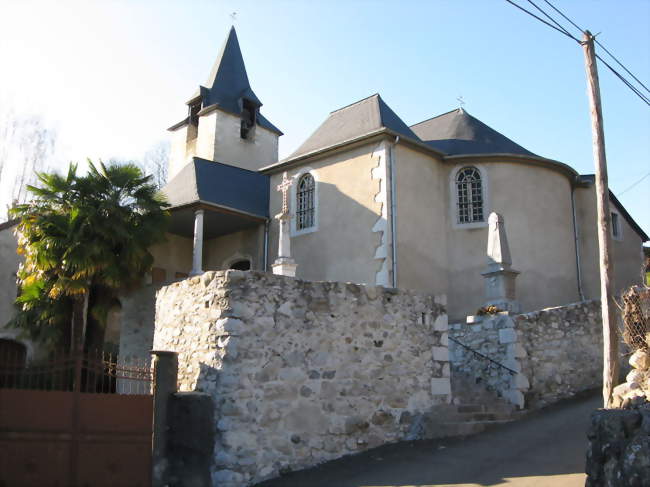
(476, 408)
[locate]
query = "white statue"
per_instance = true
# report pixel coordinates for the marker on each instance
(499, 276)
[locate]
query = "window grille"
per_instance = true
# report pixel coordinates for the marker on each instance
(469, 192)
(305, 214)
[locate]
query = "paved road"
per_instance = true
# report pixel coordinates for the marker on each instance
(546, 449)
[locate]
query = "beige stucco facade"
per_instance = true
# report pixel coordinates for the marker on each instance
(10, 262)
(343, 247)
(218, 139)
(627, 251)
(535, 202)
(221, 252)
(434, 253)
(422, 221)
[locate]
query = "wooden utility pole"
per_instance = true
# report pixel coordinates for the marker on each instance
(610, 329)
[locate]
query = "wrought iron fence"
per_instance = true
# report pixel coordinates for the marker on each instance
(635, 311)
(88, 372)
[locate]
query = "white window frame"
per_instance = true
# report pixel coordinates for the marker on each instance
(293, 204)
(619, 220)
(453, 197)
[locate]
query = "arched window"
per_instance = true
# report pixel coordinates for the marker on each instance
(305, 204)
(469, 195)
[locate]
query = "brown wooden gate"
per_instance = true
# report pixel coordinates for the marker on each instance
(75, 420)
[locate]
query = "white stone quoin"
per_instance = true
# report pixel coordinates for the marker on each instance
(284, 265)
(499, 275)
(197, 250)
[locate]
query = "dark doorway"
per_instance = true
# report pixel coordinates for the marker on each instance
(241, 265)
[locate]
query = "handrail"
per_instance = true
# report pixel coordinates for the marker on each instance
(485, 357)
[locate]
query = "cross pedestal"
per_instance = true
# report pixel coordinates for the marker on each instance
(284, 265)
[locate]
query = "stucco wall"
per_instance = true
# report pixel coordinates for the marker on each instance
(344, 246)
(174, 255)
(303, 372)
(536, 205)
(627, 252)
(422, 222)
(10, 261)
(219, 252)
(220, 140)
(178, 155)
(137, 323)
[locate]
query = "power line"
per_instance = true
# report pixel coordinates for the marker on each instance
(558, 27)
(634, 89)
(599, 44)
(633, 185)
(551, 19)
(561, 31)
(565, 17)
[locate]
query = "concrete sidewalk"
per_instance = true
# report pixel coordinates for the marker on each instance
(546, 449)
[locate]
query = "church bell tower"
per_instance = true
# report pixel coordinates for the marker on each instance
(223, 122)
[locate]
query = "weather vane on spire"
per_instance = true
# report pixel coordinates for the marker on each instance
(233, 17)
(461, 101)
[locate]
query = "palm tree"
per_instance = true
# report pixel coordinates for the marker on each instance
(84, 236)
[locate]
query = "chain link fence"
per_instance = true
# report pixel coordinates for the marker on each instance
(635, 311)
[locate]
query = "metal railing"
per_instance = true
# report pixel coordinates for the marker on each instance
(88, 372)
(481, 356)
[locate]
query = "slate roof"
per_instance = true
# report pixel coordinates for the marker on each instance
(457, 132)
(228, 83)
(347, 123)
(220, 184)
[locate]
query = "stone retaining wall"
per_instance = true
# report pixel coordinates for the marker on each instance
(556, 352)
(619, 448)
(303, 372)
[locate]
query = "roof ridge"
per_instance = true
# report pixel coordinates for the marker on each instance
(438, 116)
(355, 103)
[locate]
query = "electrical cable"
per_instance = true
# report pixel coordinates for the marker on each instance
(565, 32)
(633, 185)
(599, 44)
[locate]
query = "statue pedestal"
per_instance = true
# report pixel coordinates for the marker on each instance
(500, 288)
(284, 265)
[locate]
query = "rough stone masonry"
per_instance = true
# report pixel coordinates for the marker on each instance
(555, 352)
(303, 372)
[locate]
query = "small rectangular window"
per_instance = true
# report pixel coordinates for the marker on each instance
(616, 226)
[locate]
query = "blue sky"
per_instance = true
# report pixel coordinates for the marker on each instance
(112, 76)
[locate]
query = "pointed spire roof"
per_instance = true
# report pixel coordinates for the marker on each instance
(457, 132)
(352, 121)
(228, 83)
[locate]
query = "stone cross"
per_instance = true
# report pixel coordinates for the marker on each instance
(284, 265)
(284, 187)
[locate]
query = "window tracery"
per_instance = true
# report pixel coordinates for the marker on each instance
(469, 195)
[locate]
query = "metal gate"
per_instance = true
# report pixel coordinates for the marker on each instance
(75, 420)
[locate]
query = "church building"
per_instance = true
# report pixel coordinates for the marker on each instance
(378, 202)
(373, 201)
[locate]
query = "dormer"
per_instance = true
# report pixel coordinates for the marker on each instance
(224, 123)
